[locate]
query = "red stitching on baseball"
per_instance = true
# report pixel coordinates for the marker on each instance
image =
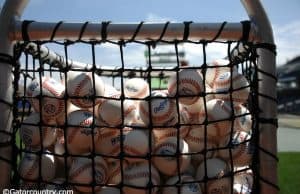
(77, 89)
(52, 90)
(185, 81)
(166, 115)
(129, 110)
(105, 135)
(114, 173)
(162, 117)
(84, 167)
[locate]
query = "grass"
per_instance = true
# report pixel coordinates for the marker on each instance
(289, 172)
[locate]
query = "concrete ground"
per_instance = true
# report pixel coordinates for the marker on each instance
(288, 139)
(288, 134)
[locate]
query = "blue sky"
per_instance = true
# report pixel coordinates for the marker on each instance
(284, 15)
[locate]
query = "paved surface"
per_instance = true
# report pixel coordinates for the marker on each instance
(288, 139)
(289, 121)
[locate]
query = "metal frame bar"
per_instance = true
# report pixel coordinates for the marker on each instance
(261, 31)
(11, 10)
(118, 31)
(267, 86)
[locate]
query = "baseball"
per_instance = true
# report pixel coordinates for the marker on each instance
(243, 182)
(217, 113)
(190, 85)
(115, 171)
(80, 130)
(30, 132)
(108, 142)
(110, 91)
(240, 86)
(169, 157)
(136, 88)
(240, 148)
(61, 120)
(243, 119)
(187, 185)
(163, 110)
(83, 172)
(215, 171)
(182, 130)
(216, 68)
(81, 88)
(162, 133)
(52, 102)
(196, 112)
(135, 143)
(196, 141)
(109, 112)
(29, 168)
(137, 176)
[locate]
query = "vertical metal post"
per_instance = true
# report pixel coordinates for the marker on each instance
(11, 10)
(267, 86)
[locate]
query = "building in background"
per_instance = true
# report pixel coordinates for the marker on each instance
(163, 56)
(288, 87)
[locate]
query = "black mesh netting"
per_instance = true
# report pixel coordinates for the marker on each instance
(182, 128)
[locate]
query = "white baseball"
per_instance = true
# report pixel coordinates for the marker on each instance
(187, 185)
(108, 142)
(136, 88)
(219, 113)
(83, 172)
(243, 120)
(240, 86)
(80, 130)
(135, 143)
(169, 157)
(182, 130)
(29, 168)
(196, 141)
(110, 90)
(238, 146)
(243, 182)
(190, 85)
(216, 68)
(30, 132)
(81, 84)
(138, 175)
(196, 112)
(163, 110)
(115, 171)
(162, 133)
(61, 120)
(109, 112)
(215, 171)
(52, 102)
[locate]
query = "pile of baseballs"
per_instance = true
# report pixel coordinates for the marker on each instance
(87, 135)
